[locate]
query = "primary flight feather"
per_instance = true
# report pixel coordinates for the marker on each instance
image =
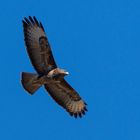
(48, 74)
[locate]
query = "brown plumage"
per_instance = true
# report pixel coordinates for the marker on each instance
(48, 74)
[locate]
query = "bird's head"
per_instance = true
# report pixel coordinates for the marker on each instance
(62, 71)
(57, 73)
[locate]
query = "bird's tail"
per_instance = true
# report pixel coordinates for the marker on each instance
(30, 82)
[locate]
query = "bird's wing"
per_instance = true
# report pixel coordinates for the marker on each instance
(37, 45)
(67, 97)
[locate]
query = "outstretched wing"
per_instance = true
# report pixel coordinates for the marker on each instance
(67, 97)
(37, 45)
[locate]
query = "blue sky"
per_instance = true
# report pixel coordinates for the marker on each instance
(98, 42)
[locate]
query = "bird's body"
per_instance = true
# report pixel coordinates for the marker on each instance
(48, 74)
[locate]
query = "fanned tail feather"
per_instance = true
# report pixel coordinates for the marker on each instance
(29, 83)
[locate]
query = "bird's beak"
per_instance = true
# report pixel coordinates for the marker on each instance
(67, 73)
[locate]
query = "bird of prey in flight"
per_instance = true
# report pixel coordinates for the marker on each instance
(48, 74)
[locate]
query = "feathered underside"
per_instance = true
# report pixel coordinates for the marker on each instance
(67, 97)
(37, 45)
(42, 59)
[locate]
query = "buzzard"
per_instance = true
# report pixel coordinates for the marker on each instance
(48, 74)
